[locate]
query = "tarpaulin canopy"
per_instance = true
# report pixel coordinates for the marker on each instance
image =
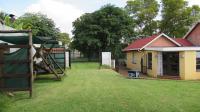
(17, 68)
(25, 40)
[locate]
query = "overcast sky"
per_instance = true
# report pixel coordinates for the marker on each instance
(63, 12)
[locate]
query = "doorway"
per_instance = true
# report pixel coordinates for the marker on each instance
(143, 67)
(171, 63)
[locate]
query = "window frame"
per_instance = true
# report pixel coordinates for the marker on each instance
(197, 62)
(133, 60)
(149, 60)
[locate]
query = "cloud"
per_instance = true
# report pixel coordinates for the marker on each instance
(193, 2)
(62, 13)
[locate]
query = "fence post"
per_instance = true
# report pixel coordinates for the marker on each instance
(31, 61)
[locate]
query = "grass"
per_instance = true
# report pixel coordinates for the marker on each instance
(88, 89)
(4, 102)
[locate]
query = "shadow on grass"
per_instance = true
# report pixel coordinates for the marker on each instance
(49, 78)
(45, 80)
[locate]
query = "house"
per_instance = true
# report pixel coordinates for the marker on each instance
(160, 55)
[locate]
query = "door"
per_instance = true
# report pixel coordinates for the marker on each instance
(141, 63)
(171, 63)
(143, 67)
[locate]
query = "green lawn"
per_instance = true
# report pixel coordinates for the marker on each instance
(87, 89)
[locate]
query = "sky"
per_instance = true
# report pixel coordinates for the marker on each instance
(63, 12)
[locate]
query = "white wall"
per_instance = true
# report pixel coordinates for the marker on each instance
(67, 59)
(106, 58)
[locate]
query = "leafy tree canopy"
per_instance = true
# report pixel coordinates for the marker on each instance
(9, 20)
(2, 15)
(39, 24)
(64, 38)
(102, 30)
(177, 17)
(143, 13)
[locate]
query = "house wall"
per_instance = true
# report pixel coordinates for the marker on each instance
(143, 54)
(188, 66)
(162, 42)
(187, 63)
(194, 36)
(137, 64)
(153, 72)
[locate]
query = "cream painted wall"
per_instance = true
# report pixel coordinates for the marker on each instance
(153, 72)
(188, 66)
(137, 66)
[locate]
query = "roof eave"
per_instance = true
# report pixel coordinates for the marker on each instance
(166, 49)
(131, 50)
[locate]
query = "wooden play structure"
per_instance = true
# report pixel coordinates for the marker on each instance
(51, 60)
(16, 69)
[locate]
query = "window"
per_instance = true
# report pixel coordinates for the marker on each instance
(198, 61)
(149, 56)
(133, 58)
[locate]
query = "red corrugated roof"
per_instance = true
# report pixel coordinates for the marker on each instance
(140, 43)
(183, 42)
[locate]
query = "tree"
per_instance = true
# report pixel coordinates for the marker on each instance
(11, 21)
(2, 15)
(103, 30)
(64, 38)
(144, 13)
(177, 17)
(39, 24)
